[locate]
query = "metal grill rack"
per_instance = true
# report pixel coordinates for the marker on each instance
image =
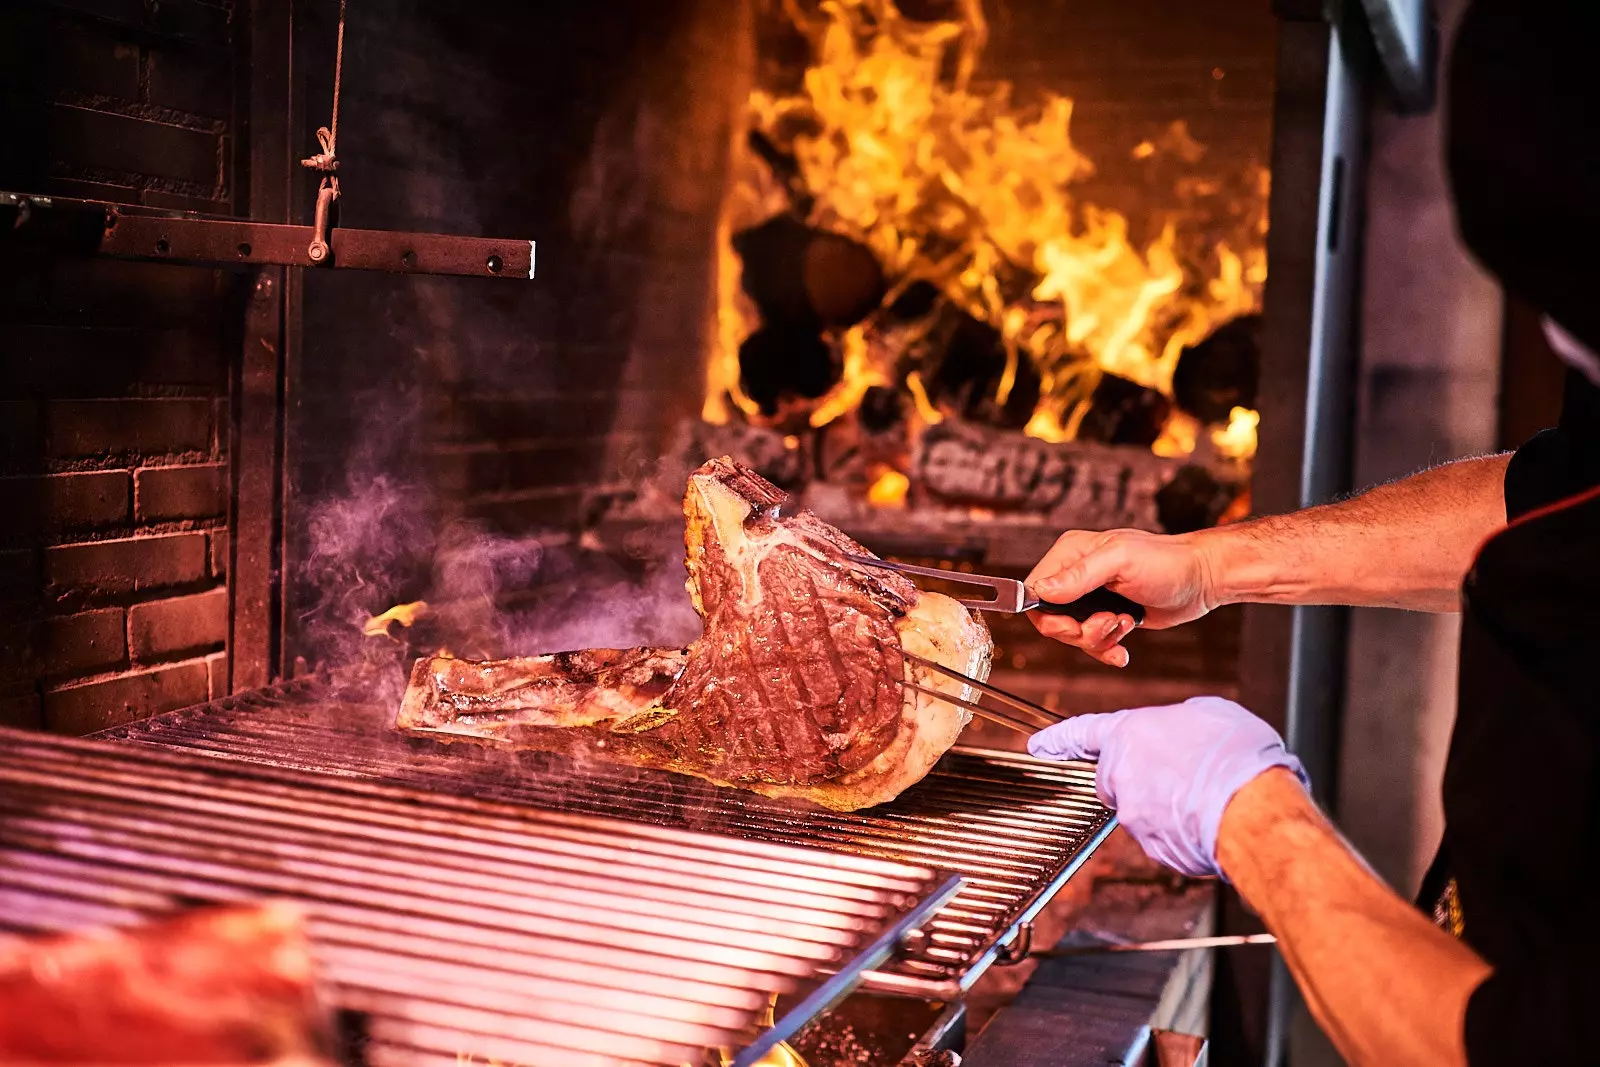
(1014, 827)
(457, 927)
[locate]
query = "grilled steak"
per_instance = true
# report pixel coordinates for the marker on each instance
(792, 690)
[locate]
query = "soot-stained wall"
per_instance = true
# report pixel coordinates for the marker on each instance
(447, 435)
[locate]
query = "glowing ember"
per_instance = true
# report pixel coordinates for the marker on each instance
(949, 182)
(1237, 440)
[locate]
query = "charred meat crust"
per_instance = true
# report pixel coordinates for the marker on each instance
(792, 689)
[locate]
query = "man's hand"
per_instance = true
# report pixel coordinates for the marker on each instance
(1402, 545)
(1169, 771)
(1170, 575)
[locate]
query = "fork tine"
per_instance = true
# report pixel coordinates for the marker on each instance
(999, 718)
(1026, 706)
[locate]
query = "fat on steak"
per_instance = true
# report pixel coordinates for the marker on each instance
(792, 690)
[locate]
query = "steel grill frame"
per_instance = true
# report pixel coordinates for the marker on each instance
(460, 926)
(1014, 827)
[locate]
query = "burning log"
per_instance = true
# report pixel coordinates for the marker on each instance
(859, 447)
(786, 363)
(1077, 483)
(843, 280)
(803, 278)
(1193, 500)
(1122, 412)
(965, 369)
(1220, 373)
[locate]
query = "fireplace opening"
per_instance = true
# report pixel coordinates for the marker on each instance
(956, 275)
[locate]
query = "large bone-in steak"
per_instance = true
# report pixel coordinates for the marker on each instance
(792, 689)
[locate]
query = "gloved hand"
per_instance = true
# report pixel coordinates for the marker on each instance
(1169, 771)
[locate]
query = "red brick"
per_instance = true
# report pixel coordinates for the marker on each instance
(127, 565)
(148, 426)
(52, 503)
(169, 493)
(166, 628)
(67, 646)
(219, 553)
(90, 706)
(85, 643)
(21, 711)
(217, 668)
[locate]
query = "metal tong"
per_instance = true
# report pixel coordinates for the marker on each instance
(1012, 597)
(1021, 715)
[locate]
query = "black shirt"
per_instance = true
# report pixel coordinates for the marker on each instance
(1516, 874)
(1518, 867)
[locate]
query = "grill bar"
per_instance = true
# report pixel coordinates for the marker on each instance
(459, 926)
(1014, 827)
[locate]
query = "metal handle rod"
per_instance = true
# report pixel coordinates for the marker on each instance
(1027, 707)
(1176, 944)
(999, 718)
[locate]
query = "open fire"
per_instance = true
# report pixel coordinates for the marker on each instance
(902, 248)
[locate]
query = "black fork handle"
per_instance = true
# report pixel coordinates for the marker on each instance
(1093, 603)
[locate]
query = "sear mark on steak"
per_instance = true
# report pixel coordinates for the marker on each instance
(793, 688)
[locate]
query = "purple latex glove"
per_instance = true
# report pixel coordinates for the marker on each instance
(1170, 771)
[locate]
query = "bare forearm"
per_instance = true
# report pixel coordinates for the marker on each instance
(1406, 544)
(1386, 985)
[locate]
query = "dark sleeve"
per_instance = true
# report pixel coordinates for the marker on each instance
(1560, 462)
(1538, 1012)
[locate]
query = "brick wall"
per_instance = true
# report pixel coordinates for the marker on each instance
(113, 396)
(600, 130)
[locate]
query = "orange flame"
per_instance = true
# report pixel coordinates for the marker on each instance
(889, 490)
(1237, 440)
(948, 181)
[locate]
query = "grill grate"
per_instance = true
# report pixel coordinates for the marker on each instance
(1014, 827)
(458, 927)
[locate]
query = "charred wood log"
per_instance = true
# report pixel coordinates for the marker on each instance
(882, 410)
(779, 362)
(1220, 373)
(806, 278)
(843, 280)
(1122, 412)
(963, 365)
(1193, 500)
(771, 257)
(1084, 484)
(916, 301)
(854, 448)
